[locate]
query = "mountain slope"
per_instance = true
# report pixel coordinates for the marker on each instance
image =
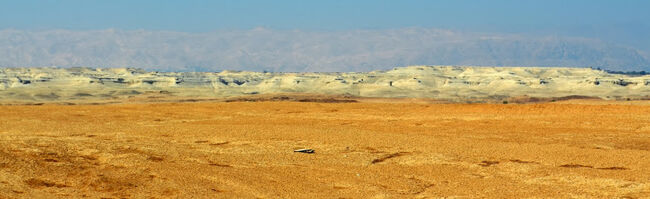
(438, 82)
(300, 51)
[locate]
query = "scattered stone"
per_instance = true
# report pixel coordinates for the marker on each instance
(304, 151)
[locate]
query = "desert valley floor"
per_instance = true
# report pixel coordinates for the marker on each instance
(579, 149)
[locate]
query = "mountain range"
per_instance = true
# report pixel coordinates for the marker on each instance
(262, 49)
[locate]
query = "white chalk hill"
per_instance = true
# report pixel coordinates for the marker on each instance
(439, 82)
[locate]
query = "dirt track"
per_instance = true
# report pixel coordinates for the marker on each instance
(363, 150)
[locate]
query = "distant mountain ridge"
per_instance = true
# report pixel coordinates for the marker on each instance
(307, 51)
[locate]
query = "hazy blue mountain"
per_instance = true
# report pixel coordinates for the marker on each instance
(293, 50)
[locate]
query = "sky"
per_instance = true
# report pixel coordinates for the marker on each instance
(210, 15)
(624, 23)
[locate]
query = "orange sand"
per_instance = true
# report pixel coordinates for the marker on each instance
(363, 150)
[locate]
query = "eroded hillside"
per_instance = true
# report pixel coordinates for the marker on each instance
(453, 83)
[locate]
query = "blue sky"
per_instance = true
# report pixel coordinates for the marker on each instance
(210, 15)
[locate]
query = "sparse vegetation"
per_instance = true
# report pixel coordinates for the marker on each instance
(630, 73)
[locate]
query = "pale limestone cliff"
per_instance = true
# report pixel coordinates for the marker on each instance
(439, 82)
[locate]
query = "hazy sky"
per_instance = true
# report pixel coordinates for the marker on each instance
(209, 15)
(606, 33)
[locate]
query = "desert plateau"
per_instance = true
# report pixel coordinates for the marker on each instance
(324, 99)
(411, 132)
(374, 148)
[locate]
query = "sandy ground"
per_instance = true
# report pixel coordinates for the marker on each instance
(362, 150)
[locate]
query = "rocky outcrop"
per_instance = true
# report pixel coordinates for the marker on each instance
(440, 82)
